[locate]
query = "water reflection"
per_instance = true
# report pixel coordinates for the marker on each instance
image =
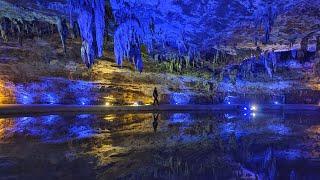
(180, 118)
(155, 121)
(185, 145)
(49, 128)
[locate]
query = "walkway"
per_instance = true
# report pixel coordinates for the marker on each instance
(31, 109)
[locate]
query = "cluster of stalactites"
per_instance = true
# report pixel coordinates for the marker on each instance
(128, 39)
(92, 24)
(90, 19)
(21, 29)
(138, 29)
(268, 59)
(265, 17)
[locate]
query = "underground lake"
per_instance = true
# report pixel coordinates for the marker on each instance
(164, 145)
(159, 89)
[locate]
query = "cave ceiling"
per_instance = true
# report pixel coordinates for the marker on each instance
(183, 26)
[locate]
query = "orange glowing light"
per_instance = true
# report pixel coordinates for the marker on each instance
(7, 93)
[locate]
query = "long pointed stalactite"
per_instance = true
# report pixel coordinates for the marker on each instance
(90, 18)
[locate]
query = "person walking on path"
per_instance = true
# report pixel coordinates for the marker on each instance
(155, 97)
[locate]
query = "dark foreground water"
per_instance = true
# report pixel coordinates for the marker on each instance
(202, 145)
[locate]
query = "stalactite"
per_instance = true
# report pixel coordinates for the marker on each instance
(90, 17)
(63, 32)
(4, 29)
(75, 30)
(128, 39)
(265, 17)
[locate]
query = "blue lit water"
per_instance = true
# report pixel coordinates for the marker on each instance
(200, 145)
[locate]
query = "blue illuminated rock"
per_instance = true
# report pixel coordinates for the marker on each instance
(184, 28)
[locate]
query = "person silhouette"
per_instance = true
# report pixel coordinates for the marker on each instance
(155, 121)
(155, 97)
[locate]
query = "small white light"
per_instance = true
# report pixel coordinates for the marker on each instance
(276, 102)
(253, 108)
(245, 109)
(107, 104)
(253, 114)
(229, 103)
(136, 104)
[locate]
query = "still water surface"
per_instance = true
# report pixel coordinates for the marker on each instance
(202, 145)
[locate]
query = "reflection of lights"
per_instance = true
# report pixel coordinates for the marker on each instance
(81, 131)
(253, 108)
(253, 114)
(110, 118)
(83, 116)
(279, 129)
(180, 118)
(230, 116)
(107, 104)
(135, 104)
(51, 119)
(5, 126)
